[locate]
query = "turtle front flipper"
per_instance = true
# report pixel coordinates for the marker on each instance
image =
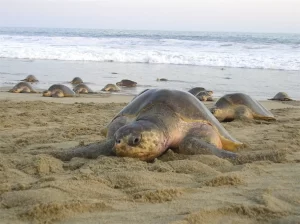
(204, 139)
(193, 146)
(91, 151)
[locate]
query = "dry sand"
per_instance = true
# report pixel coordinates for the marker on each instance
(173, 189)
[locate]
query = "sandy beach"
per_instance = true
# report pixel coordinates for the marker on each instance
(177, 189)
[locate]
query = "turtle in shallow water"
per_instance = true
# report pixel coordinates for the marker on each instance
(162, 80)
(76, 81)
(240, 106)
(59, 90)
(30, 78)
(82, 88)
(110, 88)
(281, 96)
(22, 87)
(157, 120)
(126, 83)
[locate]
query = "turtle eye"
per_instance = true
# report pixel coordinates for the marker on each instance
(134, 140)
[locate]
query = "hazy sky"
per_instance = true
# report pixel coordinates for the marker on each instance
(194, 15)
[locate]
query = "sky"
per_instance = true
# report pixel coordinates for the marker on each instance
(280, 16)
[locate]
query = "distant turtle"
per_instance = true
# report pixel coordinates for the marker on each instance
(127, 83)
(202, 94)
(30, 78)
(196, 90)
(157, 120)
(205, 96)
(240, 106)
(58, 90)
(111, 88)
(162, 79)
(281, 96)
(76, 81)
(82, 88)
(22, 87)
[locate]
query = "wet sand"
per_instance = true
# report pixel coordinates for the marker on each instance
(174, 188)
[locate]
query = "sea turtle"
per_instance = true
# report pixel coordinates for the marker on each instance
(76, 81)
(202, 94)
(240, 105)
(162, 79)
(159, 119)
(281, 96)
(205, 96)
(82, 88)
(126, 83)
(196, 90)
(30, 78)
(111, 88)
(58, 90)
(22, 87)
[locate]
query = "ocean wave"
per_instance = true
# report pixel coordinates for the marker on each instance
(162, 51)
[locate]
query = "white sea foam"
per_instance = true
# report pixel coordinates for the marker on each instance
(147, 50)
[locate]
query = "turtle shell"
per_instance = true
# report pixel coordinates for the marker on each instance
(186, 105)
(282, 96)
(23, 84)
(236, 99)
(66, 90)
(82, 85)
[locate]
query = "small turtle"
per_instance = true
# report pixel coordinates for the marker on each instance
(196, 90)
(76, 81)
(22, 87)
(83, 89)
(127, 83)
(111, 88)
(281, 96)
(239, 105)
(58, 90)
(202, 94)
(205, 96)
(162, 80)
(157, 120)
(30, 78)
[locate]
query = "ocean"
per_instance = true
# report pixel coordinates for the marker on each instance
(254, 63)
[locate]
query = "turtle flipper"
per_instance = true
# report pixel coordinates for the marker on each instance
(91, 151)
(193, 145)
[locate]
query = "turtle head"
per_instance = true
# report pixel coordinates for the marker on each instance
(141, 139)
(223, 114)
(47, 93)
(58, 93)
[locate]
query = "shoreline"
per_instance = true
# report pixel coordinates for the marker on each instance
(182, 77)
(116, 98)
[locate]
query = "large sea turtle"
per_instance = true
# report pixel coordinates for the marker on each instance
(240, 106)
(30, 78)
(59, 90)
(159, 119)
(82, 88)
(110, 88)
(22, 87)
(126, 83)
(281, 96)
(76, 81)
